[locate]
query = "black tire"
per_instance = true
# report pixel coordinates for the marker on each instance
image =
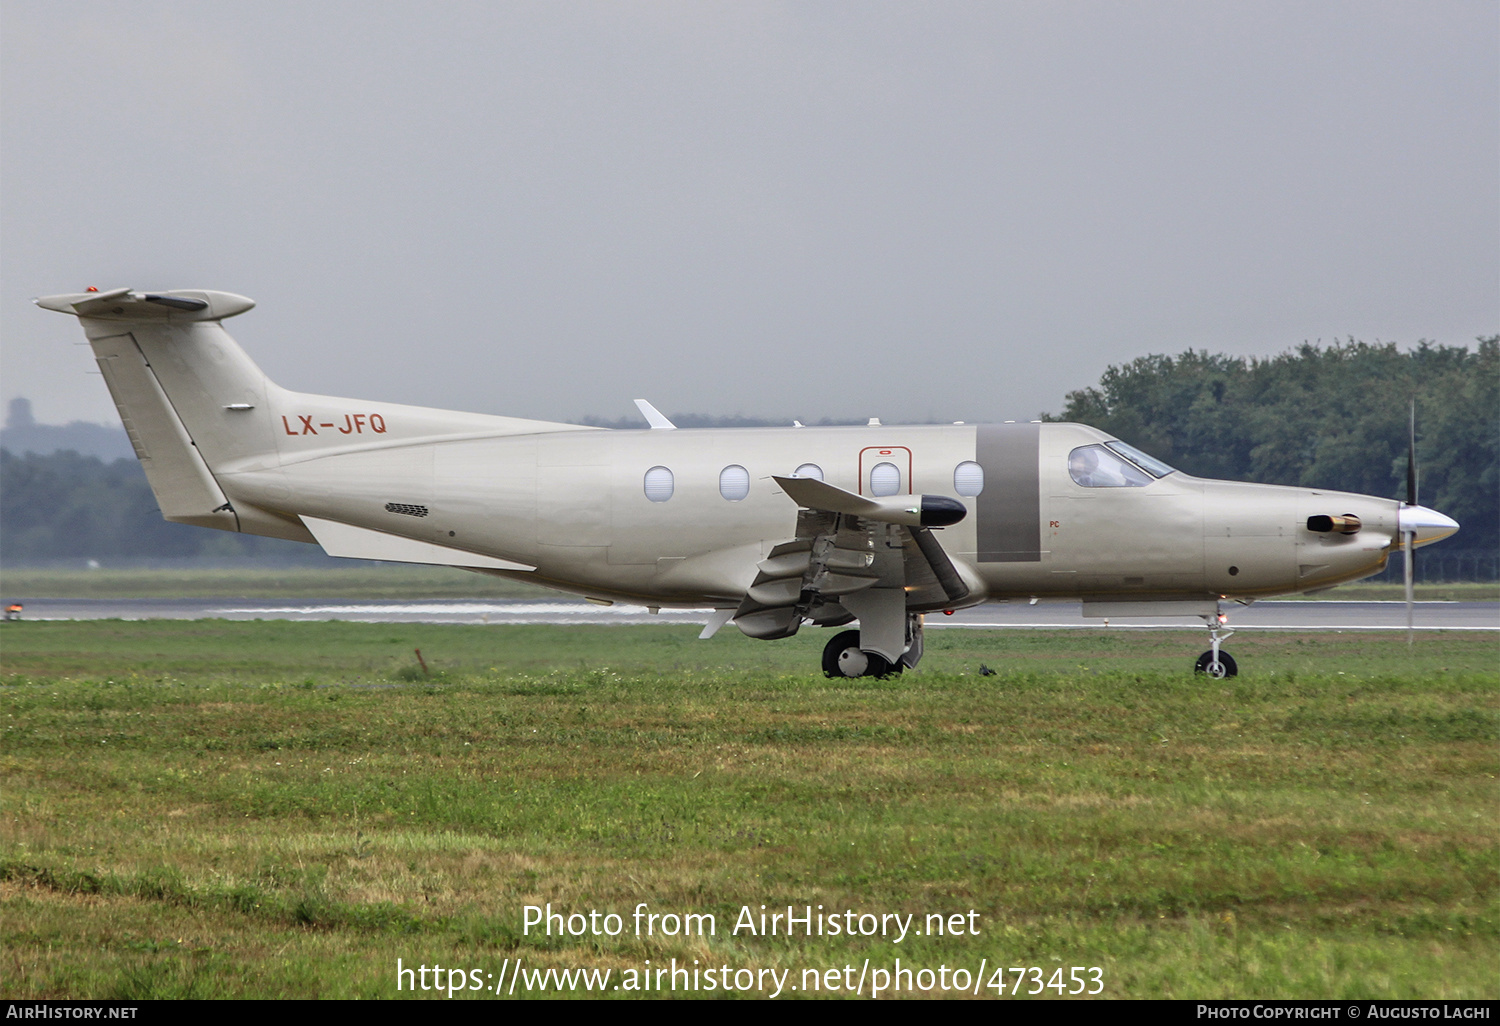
(843, 658)
(1227, 667)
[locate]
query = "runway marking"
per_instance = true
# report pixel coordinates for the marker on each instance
(645, 619)
(1300, 615)
(1356, 602)
(463, 608)
(1194, 627)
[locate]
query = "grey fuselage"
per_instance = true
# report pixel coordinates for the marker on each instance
(573, 504)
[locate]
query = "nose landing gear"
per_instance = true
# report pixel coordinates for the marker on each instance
(1216, 662)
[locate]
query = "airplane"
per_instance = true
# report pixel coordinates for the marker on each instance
(772, 528)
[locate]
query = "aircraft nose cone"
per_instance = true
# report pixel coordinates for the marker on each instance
(1428, 524)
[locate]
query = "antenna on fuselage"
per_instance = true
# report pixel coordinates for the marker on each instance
(654, 416)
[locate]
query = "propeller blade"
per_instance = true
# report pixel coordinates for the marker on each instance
(1409, 538)
(1411, 457)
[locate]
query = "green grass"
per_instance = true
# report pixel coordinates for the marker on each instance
(213, 809)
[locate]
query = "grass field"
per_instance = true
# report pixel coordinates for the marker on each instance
(363, 580)
(206, 809)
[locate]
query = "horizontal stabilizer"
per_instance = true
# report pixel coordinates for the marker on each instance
(362, 543)
(123, 304)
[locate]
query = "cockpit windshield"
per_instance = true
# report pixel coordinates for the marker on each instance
(1150, 464)
(1114, 465)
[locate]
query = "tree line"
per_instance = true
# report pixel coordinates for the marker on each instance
(1331, 417)
(63, 506)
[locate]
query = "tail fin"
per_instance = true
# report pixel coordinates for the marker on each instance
(206, 421)
(190, 399)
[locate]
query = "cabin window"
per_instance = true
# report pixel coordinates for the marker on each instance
(811, 470)
(968, 478)
(885, 479)
(734, 483)
(659, 484)
(1094, 466)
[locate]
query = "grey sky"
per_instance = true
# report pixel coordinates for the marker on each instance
(948, 210)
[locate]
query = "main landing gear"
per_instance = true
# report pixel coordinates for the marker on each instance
(842, 657)
(1216, 662)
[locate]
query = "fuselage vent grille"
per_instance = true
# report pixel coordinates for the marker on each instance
(405, 509)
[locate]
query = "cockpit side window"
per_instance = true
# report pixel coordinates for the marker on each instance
(1150, 464)
(1094, 466)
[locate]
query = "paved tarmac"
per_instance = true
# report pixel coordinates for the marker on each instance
(1296, 615)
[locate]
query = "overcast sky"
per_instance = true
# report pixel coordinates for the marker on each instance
(911, 211)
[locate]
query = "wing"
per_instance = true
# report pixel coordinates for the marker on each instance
(853, 551)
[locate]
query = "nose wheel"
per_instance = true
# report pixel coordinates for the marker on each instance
(1219, 667)
(1216, 662)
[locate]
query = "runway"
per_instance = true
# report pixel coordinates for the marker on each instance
(1296, 615)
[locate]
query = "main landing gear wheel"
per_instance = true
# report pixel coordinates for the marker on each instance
(842, 657)
(1225, 667)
